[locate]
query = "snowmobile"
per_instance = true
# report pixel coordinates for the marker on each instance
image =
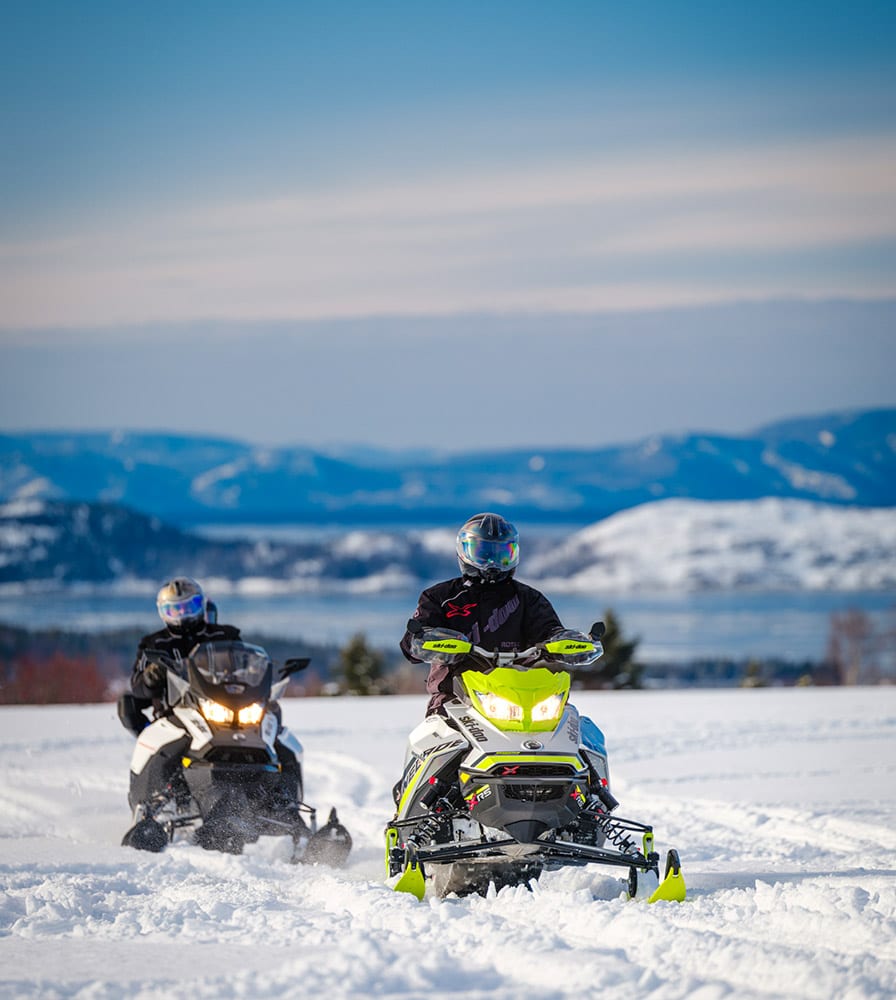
(218, 767)
(511, 781)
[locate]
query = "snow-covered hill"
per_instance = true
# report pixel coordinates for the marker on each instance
(680, 545)
(760, 545)
(782, 803)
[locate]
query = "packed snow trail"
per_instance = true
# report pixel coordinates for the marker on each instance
(781, 802)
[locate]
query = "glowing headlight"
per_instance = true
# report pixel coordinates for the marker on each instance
(499, 708)
(250, 715)
(548, 709)
(215, 712)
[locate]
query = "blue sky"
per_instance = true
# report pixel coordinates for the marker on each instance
(351, 201)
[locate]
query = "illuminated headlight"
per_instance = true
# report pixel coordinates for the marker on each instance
(250, 715)
(215, 712)
(548, 709)
(499, 708)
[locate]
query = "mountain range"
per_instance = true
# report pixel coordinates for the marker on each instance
(846, 458)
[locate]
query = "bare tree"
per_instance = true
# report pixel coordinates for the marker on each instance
(854, 648)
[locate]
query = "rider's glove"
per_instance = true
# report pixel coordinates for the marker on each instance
(153, 675)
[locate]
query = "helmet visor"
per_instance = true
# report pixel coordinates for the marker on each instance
(484, 553)
(189, 607)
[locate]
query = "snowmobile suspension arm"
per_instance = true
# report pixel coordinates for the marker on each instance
(551, 849)
(584, 852)
(632, 858)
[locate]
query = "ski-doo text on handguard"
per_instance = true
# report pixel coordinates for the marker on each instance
(217, 765)
(510, 781)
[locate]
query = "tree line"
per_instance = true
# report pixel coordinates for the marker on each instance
(59, 667)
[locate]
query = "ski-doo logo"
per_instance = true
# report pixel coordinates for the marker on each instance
(572, 729)
(448, 644)
(475, 729)
(459, 610)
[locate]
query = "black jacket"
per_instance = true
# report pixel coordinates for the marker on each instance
(505, 616)
(176, 646)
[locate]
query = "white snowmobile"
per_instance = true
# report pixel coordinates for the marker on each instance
(512, 781)
(218, 767)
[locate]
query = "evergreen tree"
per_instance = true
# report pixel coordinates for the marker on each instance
(617, 668)
(361, 667)
(753, 675)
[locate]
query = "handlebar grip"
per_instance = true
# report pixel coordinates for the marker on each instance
(415, 627)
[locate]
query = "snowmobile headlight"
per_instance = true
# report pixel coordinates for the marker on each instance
(549, 709)
(215, 712)
(250, 715)
(499, 708)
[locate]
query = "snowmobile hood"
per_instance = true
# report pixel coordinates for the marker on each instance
(519, 700)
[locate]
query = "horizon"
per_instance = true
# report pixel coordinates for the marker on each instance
(396, 450)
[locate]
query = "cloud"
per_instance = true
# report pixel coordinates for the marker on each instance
(603, 232)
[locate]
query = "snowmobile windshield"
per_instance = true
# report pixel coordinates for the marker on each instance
(231, 662)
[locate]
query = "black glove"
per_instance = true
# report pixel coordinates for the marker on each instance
(154, 675)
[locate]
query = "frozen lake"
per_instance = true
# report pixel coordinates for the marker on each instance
(790, 625)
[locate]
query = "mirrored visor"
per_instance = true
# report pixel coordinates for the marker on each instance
(483, 553)
(189, 607)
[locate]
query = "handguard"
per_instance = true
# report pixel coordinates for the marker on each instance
(444, 645)
(573, 648)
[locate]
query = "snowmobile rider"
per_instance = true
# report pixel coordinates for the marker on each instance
(485, 603)
(183, 608)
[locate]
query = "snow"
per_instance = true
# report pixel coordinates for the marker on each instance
(781, 802)
(688, 545)
(22, 508)
(211, 478)
(824, 484)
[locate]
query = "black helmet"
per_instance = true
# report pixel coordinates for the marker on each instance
(488, 547)
(181, 605)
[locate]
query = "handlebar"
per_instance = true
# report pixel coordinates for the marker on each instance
(597, 631)
(567, 647)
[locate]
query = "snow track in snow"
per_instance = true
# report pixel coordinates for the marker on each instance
(782, 804)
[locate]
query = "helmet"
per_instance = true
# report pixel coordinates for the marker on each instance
(181, 604)
(488, 547)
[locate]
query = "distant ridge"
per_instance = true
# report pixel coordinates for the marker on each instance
(846, 458)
